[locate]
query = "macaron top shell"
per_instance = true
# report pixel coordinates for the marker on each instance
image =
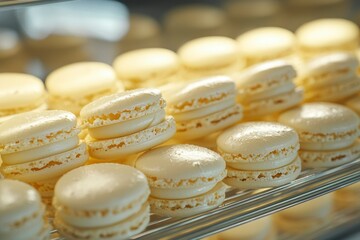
(332, 62)
(182, 161)
(330, 32)
(17, 200)
(266, 41)
(81, 79)
(201, 93)
(208, 52)
(324, 118)
(153, 61)
(121, 107)
(101, 186)
(257, 138)
(19, 90)
(31, 129)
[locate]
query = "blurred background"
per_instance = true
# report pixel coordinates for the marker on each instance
(40, 38)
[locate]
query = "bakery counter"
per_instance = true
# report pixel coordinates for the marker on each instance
(244, 206)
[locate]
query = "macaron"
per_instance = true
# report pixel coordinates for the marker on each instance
(101, 201)
(305, 217)
(266, 43)
(331, 77)
(22, 215)
(327, 35)
(260, 229)
(39, 147)
(267, 88)
(260, 154)
(158, 66)
(328, 133)
(73, 86)
(126, 123)
(348, 197)
(184, 179)
(208, 56)
(203, 107)
(20, 93)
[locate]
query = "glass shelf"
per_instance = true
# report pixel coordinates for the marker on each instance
(244, 206)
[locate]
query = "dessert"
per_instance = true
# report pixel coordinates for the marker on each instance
(267, 88)
(22, 215)
(126, 123)
(208, 56)
(73, 86)
(325, 36)
(348, 197)
(184, 179)
(39, 147)
(331, 78)
(260, 154)
(266, 43)
(328, 133)
(148, 67)
(101, 201)
(20, 93)
(202, 107)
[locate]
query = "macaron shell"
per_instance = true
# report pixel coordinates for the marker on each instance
(330, 158)
(14, 113)
(180, 208)
(263, 178)
(120, 230)
(20, 90)
(198, 128)
(48, 167)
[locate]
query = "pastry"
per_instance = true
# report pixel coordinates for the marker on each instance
(305, 217)
(203, 107)
(20, 93)
(38, 147)
(73, 86)
(22, 215)
(101, 201)
(267, 88)
(266, 43)
(260, 154)
(328, 133)
(148, 67)
(126, 123)
(331, 78)
(325, 36)
(184, 179)
(208, 56)
(348, 197)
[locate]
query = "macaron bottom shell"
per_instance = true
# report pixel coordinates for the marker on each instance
(263, 178)
(330, 158)
(112, 149)
(180, 208)
(120, 230)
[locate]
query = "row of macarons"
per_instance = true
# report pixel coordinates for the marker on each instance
(262, 89)
(39, 147)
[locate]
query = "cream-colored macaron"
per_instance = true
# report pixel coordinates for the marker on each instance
(20, 93)
(327, 132)
(267, 88)
(148, 67)
(260, 229)
(209, 56)
(331, 77)
(203, 107)
(266, 43)
(101, 201)
(306, 216)
(21, 212)
(126, 123)
(184, 179)
(327, 35)
(260, 154)
(73, 86)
